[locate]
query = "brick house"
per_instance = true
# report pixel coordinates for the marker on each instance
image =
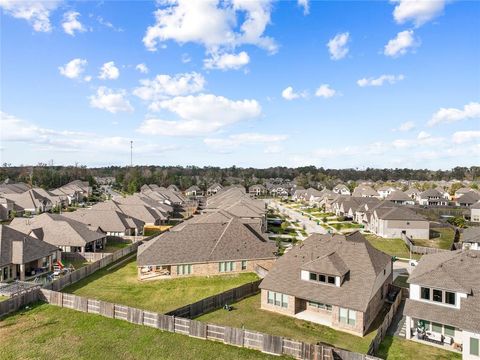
(338, 281)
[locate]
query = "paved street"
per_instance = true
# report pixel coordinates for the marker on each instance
(310, 226)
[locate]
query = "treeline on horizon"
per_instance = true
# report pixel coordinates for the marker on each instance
(130, 179)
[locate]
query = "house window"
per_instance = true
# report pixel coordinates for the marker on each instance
(352, 317)
(270, 297)
(437, 295)
(474, 347)
(320, 305)
(322, 278)
(437, 327)
(347, 316)
(449, 330)
(244, 265)
(313, 276)
(449, 297)
(331, 280)
(185, 269)
(277, 299)
(425, 293)
(226, 266)
(343, 315)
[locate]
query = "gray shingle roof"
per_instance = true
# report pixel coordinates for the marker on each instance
(471, 234)
(398, 195)
(363, 262)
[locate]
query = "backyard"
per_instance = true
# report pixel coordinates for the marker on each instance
(394, 247)
(246, 313)
(121, 286)
(442, 238)
(114, 246)
(50, 332)
(395, 348)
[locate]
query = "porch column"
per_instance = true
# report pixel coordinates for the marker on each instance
(22, 272)
(95, 246)
(408, 328)
(82, 249)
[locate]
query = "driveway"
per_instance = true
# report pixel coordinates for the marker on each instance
(310, 226)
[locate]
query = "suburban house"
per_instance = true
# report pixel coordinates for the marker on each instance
(65, 233)
(385, 191)
(76, 191)
(13, 188)
(364, 191)
(6, 208)
(299, 194)
(341, 189)
(467, 199)
(413, 193)
(400, 198)
(463, 191)
(150, 216)
(339, 281)
(444, 303)
(173, 187)
(213, 189)
(23, 257)
(30, 201)
(475, 212)
(193, 191)
(257, 190)
(201, 249)
(471, 238)
(393, 222)
(432, 197)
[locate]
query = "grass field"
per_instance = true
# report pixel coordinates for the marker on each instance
(3, 298)
(443, 240)
(394, 247)
(394, 348)
(122, 287)
(114, 246)
(346, 225)
(49, 332)
(247, 313)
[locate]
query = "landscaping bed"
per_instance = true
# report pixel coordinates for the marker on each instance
(247, 313)
(50, 332)
(395, 348)
(121, 286)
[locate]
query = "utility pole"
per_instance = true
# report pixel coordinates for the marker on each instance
(131, 153)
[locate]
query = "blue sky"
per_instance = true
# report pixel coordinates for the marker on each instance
(246, 83)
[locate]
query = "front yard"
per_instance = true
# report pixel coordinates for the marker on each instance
(246, 313)
(395, 348)
(50, 332)
(121, 286)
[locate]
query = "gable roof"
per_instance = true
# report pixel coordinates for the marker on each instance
(108, 220)
(398, 195)
(352, 252)
(471, 235)
(469, 198)
(398, 213)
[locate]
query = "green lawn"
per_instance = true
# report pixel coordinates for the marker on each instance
(394, 348)
(3, 298)
(394, 247)
(49, 332)
(247, 313)
(121, 286)
(442, 239)
(114, 246)
(346, 225)
(401, 281)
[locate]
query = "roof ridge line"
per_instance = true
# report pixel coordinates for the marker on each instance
(220, 237)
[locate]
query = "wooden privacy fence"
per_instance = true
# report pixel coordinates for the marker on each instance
(217, 301)
(86, 256)
(387, 321)
(265, 343)
(18, 301)
(85, 271)
(422, 250)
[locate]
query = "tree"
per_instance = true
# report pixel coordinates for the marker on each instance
(454, 188)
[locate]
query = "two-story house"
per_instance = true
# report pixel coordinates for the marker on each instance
(444, 304)
(337, 280)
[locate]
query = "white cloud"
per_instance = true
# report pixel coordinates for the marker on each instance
(417, 11)
(71, 24)
(450, 115)
(164, 86)
(305, 4)
(110, 100)
(211, 23)
(227, 61)
(461, 137)
(234, 141)
(87, 78)
(325, 91)
(423, 139)
(73, 69)
(108, 24)
(200, 115)
(109, 71)
(273, 149)
(406, 126)
(186, 58)
(289, 94)
(337, 46)
(401, 44)
(142, 68)
(391, 79)
(422, 135)
(37, 13)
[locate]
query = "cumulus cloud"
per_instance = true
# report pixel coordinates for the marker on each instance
(37, 13)
(379, 81)
(212, 23)
(406, 126)
(401, 44)
(110, 100)
(461, 137)
(73, 69)
(450, 115)
(422, 139)
(325, 91)
(200, 115)
(289, 94)
(305, 4)
(71, 23)
(142, 68)
(109, 71)
(337, 46)
(417, 11)
(227, 61)
(234, 141)
(163, 86)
